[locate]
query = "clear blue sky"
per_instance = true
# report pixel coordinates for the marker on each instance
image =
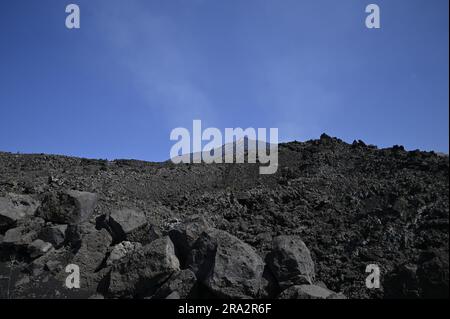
(137, 69)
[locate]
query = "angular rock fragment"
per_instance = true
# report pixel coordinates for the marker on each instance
(226, 265)
(121, 250)
(90, 257)
(24, 234)
(309, 292)
(290, 262)
(55, 235)
(184, 235)
(128, 224)
(38, 248)
(53, 261)
(182, 284)
(67, 207)
(143, 271)
(14, 207)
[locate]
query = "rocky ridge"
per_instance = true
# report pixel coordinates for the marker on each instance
(160, 230)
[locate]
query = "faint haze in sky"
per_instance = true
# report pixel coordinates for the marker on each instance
(137, 69)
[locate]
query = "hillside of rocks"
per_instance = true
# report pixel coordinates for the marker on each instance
(161, 230)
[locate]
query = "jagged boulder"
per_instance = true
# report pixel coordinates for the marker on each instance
(121, 250)
(24, 234)
(290, 261)
(226, 265)
(38, 248)
(90, 257)
(128, 224)
(55, 235)
(181, 284)
(309, 292)
(143, 271)
(14, 207)
(67, 207)
(184, 234)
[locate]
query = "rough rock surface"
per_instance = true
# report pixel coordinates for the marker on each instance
(67, 207)
(142, 272)
(352, 204)
(89, 258)
(14, 207)
(290, 261)
(308, 292)
(226, 265)
(182, 283)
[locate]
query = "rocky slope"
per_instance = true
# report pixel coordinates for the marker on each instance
(160, 230)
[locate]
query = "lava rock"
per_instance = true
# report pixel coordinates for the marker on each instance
(55, 235)
(23, 235)
(121, 250)
(90, 257)
(128, 224)
(226, 265)
(290, 261)
(143, 271)
(309, 292)
(67, 207)
(38, 248)
(183, 283)
(14, 207)
(184, 235)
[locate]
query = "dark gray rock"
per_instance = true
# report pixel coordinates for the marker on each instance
(290, 262)
(55, 235)
(121, 250)
(91, 256)
(67, 207)
(23, 235)
(142, 272)
(128, 224)
(38, 248)
(309, 292)
(184, 234)
(14, 207)
(53, 261)
(226, 265)
(182, 283)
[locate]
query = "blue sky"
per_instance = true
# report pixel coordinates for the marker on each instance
(137, 69)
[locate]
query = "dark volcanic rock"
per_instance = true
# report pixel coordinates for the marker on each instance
(229, 267)
(184, 235)
(55, 235)
(353, 205)
(89, 258)
(183, 283)
(309, 292)
(14, 207)
(128, 224)
(67, 207)
(143, 271)
(290, 262)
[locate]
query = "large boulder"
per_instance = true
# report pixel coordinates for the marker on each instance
(38, 248)
(182, 284)
(128, 224)
(55, 235)
(309, 292)
(90, 257)
(24, 234)
(184, 234)
(67, 207)
(121, 250)
(226, 265)
(14, 207)
(142, 272)
(290, 262)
